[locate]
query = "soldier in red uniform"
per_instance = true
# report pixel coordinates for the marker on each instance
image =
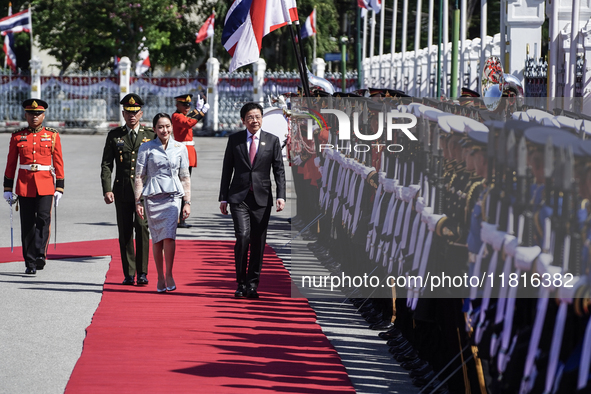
(183, 121)
(38, 152)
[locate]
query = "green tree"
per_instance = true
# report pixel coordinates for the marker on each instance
(91, 33)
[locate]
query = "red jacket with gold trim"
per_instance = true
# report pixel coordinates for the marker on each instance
(34, 148)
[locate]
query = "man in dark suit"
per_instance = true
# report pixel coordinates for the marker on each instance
(246, 185)
(121, 147)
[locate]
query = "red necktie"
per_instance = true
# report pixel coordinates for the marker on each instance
(253, 149)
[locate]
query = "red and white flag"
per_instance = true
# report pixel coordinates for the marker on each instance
(309, 28)
(248, 21)
(206, 30)
(143, 63)
(9, 56)
(19, 22)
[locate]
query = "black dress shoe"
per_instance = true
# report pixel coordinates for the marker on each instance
(31, 271)
(420, 372)
(40, 263)
(252, 293)
(142, 279)
(390, 334)
(409, 355)
(396, 341)
(383, 325)
(414, 364)
(183, 225)
(128, 281)
(400, 349)
(240, 291)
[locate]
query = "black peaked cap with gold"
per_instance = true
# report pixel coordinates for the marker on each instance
(132, 102)
(184, 98)
(35, 105)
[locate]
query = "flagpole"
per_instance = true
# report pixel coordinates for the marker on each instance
(211, 41)
(299, 60)
(6, 36)
(314, 52)
(31, 31)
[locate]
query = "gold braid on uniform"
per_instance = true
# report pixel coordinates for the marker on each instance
(469, 197)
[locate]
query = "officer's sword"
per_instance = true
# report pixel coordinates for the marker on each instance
(55, 221)
(10, 202)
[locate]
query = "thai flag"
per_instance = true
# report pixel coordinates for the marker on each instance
(143, 63)
(206, 30)
(10, 57)
(375, 5)
(248, 21)
(19, 22)
(309, 28)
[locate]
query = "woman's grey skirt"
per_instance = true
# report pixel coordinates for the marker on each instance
(162, 211)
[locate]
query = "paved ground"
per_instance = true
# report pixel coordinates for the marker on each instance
(44, 318)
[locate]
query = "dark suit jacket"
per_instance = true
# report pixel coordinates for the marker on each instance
(118, 149)
(238, 174)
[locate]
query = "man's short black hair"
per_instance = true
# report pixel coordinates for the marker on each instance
(246, 108)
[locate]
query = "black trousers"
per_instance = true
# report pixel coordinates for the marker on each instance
(250, 228)
(133, 259)
(35, 215)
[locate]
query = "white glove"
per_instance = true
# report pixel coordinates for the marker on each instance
(205, 108)
(8, 196)
(297, 160)
(57, 195)
(199, 104)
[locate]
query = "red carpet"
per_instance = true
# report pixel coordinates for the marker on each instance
(199, 339)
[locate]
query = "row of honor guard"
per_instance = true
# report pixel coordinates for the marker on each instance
(121, 148)
(472, 195)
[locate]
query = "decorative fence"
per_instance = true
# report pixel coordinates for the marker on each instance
(92, 98)
(416, 74)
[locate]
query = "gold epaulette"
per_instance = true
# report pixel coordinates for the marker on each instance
(19, 130)
(52, 130)
(472, 188)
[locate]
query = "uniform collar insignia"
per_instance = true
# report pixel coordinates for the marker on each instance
(145, 139)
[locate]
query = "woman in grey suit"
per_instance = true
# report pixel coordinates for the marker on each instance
(162, 177)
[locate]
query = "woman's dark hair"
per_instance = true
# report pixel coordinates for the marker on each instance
(246, 108)
(160, 115)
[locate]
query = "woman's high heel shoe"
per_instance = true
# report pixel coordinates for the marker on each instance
(161, 290)
(171, 288)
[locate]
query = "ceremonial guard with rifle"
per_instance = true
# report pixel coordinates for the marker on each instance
(477, 194)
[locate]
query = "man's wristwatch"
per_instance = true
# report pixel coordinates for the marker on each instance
(187, 202)
(138, 202)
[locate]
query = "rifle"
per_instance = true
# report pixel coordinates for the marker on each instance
(437, 171)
